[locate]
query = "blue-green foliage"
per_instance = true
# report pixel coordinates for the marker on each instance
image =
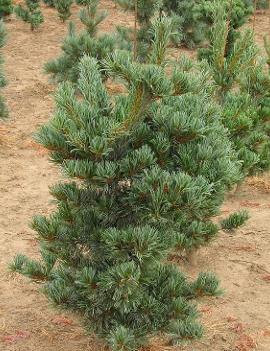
(63, 8)
(6, 8)
(249, 128)
(235, 220)
(196, 18)
(242, 92)
(30, 13)
(49, 3)
(144, 12)
(267, 49)
(76, 45)
(147, 170)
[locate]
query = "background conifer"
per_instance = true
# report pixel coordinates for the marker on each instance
(240, 79)
(267, 49)
(139, 37)
(255, 82)
(63, 8)
(82, 2)
(49, 3)
(196, 18)
(237, 12)
(6, 8)
(193, 28)
(228, 62)
(260, 4)
(91, 17)
(30, 13)
(75, 45)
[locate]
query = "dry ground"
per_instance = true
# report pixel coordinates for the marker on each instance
(238, 321)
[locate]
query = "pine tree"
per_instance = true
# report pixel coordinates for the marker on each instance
(145, 9)
(63, 8)
(139, 38)
(195, 18)
(82, 2)
(91, 17)
(237, 12)
(6, 8)
(241, 113)
(227, 64)
(3, 108)
(30, 13)
(263, 4)
(50, 3)
(65, 67)
(255, 83)
(147, 168)
(192, 29)
(267, 49)
(224, 174)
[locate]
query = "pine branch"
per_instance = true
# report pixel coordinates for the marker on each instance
(235, 220)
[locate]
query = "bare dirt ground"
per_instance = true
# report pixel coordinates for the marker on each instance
(238, 321)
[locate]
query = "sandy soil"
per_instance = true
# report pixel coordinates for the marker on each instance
(238, 321)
